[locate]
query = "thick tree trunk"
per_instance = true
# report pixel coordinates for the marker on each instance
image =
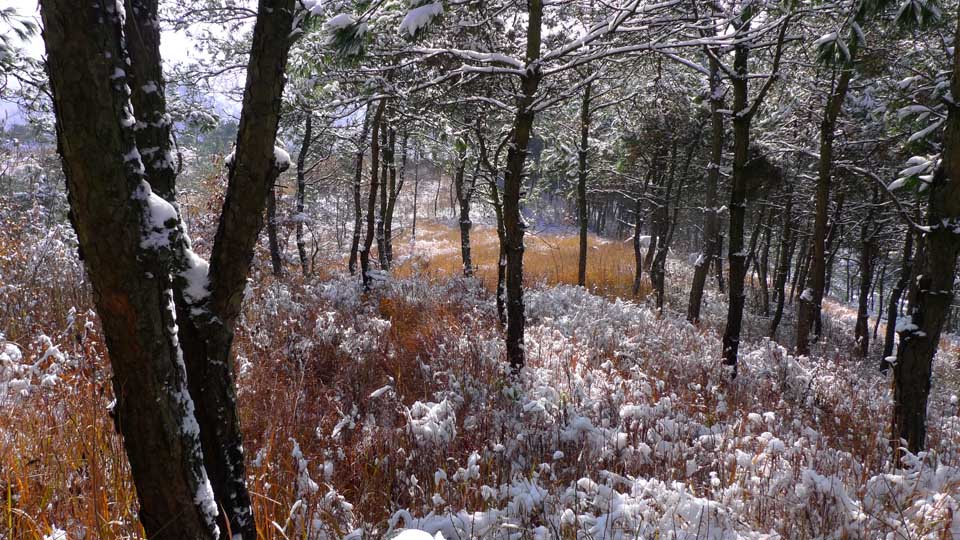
(372, 196)
(582, 155)
(148, 263)
(131, 285)
(513, 183)
(932, 292)
(711, 225)
(357, 206)
(811, 298)
(273, 240)
(302, 192)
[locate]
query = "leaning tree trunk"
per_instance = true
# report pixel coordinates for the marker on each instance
(711, 226)
(932, 292)
(253, 173)
(372, 197)
(302, 192)
(582, 155)
(513, 183)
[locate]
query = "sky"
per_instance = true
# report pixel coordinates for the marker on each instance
(174, 47)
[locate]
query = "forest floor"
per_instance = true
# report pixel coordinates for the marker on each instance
(367, 413)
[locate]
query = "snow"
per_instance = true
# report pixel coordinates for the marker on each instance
(416, 534)
(419, 17)
(281, 158)
(342, 20)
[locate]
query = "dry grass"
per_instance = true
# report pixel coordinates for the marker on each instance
(549, 259)
(61, 462)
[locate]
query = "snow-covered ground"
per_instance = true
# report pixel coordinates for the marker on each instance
(367, 414)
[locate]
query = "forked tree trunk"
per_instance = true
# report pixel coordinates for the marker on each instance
(175, 394)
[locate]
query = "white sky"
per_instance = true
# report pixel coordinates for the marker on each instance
(174, 47)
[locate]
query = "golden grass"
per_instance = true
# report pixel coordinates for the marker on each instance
(549, 259)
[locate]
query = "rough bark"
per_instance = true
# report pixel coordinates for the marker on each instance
(513, 183)
(867, 255)
(252, 175)
(932, 292)
(131, 290)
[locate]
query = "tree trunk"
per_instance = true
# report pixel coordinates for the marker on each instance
(787, 244)
(582, 155)
(738, 192)
(174, 389)
(131, 285)
(276, 259)
(513, 183)
(812, 297)
(763, 268)
(382, 211)
(393, 192)
(868, 248)
(416, 192)
(906, 268)
(932, 292)
(463, 198)
(357, 207)
(302, 193)
(372, 197)
(711, 225)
